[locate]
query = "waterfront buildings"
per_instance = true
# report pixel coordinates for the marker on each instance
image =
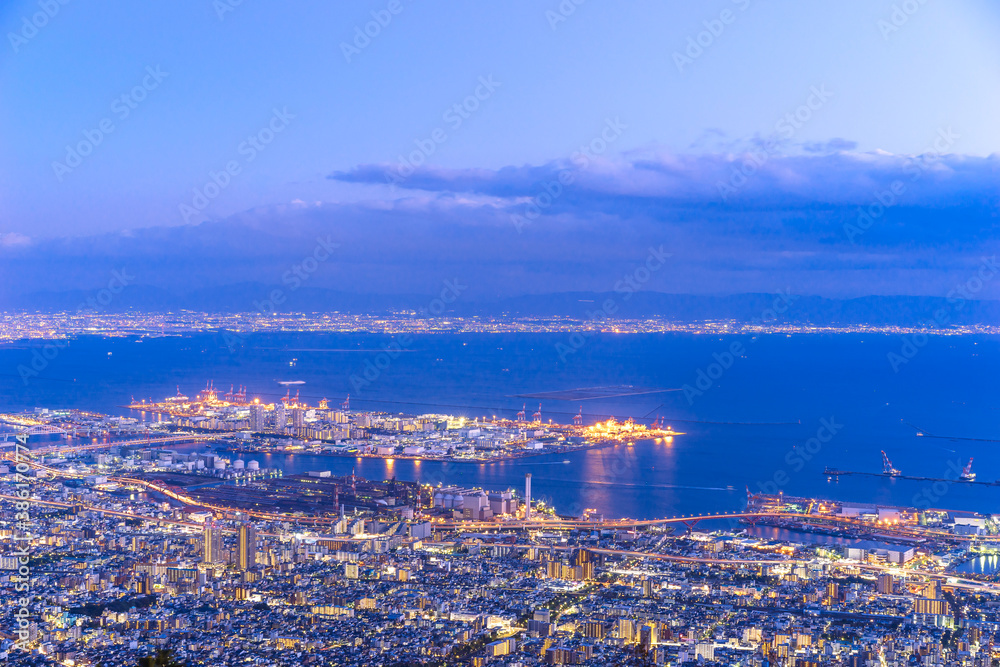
(129, 549)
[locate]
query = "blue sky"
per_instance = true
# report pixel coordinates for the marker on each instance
(874, 83)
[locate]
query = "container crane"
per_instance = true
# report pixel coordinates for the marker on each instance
(887, 468)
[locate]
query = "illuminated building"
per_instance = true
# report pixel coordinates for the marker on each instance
(280, 418)
(213, 543)
(247, 547)
(257, 418)
(527, 497)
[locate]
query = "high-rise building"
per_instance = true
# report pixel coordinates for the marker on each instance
(649, 634)
(625, 629)
(833, 591)
(930, 606)
(257, 418)
(280, 418)
(527, 497)
(298, 417)
(705, 650)
(885, 584)
(594, 630)
(246, 551)
(144, 584)
(213, 543)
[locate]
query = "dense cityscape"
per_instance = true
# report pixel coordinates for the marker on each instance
(121, 547)
(233, 327)
(401, 333)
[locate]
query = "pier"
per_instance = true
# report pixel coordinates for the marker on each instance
(834, 472)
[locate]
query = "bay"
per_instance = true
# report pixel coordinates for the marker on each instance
(768, 418)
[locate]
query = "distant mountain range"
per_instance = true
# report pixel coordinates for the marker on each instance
(245, 297)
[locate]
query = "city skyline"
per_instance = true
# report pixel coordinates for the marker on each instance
(511, 334)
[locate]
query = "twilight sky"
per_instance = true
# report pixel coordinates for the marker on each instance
(529, 146)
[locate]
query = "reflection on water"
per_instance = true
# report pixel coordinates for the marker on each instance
(638, 481)
(980, 565)
(747, 433)
(802, 537)
(784, 535)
